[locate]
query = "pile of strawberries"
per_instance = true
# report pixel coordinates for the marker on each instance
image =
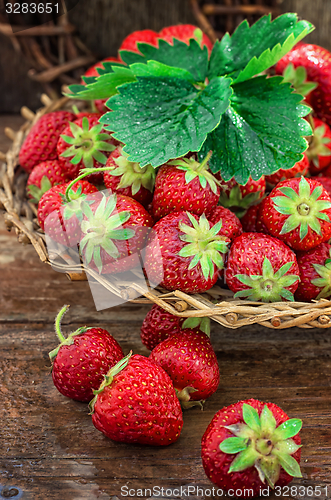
(266, 241)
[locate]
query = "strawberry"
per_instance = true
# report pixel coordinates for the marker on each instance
(82, 359)
(159, 324)
(315, 273)
(40, 143)
(44, 176)
(184, 252)
(317, 62)
(185, 32)
(99, 104)
(184, 184)
(319, 152)
(86, 144)
(143, 36)
(128, 178)
(250, 220)
(239, 198)
(300, 168)
(137, 403)
(60, 219)
(191, 363)
(250, 445)
(231, 225)
(113, 231)
(261, 268)
(298, 211)
(325, 181)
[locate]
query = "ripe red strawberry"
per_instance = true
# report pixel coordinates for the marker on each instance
(184, 32)
(189, 359)
(261, 268)
(128, 178)
(137, 403)
(100, 104)
(319, 152)
(184, 252)
(298, 212)
(143, 36)
(113, 231)
(325, 181)
(251, 445)
(86, 144)
(82, 359)
(60, 219)
(44, 176)
(184, 184)
(239, 198)
(300, 168)
(159, 324)
(317, 63)
(315, 273)
(40, 143)
(231, 225)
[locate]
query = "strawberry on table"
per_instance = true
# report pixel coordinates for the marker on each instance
(250, 445)
(261, 268)
(299, 169)
(113, 231)
(298, 212)
(315, 273)
(239, 198)
(60, 218)
(82, 359)
(40, 143)
(184, 184)
(159, 324)
(128, 178)
(86, 145)
(44, 176)
(189, 359)
(185, 32)
(319, 152)
(186, 252)
(137, 403)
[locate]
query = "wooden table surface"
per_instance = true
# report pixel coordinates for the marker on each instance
(49, 446)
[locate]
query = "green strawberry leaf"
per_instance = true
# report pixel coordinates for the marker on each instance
(159, 118)
(261, 131)
(191, 58)
(102, 86)
(255, 48)
(156, 69)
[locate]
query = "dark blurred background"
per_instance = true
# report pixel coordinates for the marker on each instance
(102, 24)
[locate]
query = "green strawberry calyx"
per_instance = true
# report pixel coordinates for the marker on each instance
(132, 174)
(270, 286)
(63, 340)
(260, 443)
(298, 78)
(101, 227)
(202, 323)
(324, 282)
(304, 208)
(108, 379)
(36, 192)
(319, 145)
(203, 244)
(87, 144)
(236, 201)
(193, 169)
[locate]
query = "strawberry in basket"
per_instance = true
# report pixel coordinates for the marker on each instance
(82, 359)
(41, 142)
(315, 273)
(239, 198)
(44, 176)
(251, 445)
(137, 403)
(319, 152)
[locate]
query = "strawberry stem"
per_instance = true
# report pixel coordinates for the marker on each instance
(85, 172)
(58, 320)
(205, 160)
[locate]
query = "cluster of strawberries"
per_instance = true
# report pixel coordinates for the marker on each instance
(135, 399)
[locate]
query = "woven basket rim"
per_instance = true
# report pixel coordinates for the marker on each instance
(216, 303)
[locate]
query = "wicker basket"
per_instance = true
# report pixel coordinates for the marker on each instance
(217, 303)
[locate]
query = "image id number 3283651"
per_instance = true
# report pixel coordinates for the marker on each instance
(32, 7)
